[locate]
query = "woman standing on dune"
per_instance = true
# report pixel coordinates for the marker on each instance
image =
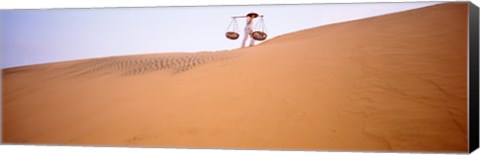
(249, 29)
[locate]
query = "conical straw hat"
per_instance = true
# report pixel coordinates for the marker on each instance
(252, 14)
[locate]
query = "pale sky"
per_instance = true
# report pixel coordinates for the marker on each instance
(42, 36)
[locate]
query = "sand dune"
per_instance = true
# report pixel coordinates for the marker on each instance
(394, 82)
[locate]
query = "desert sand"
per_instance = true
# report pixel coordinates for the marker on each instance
(396, 82)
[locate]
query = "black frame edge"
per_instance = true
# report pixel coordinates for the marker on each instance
(473, 19)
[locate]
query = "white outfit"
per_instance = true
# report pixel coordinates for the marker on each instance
(248, 32)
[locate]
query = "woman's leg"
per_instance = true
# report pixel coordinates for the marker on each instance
(245, 37)
(252, 41)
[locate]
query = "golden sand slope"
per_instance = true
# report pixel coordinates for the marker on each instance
(394, 82)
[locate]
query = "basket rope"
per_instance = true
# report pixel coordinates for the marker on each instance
(260, 25)
(233, 25)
